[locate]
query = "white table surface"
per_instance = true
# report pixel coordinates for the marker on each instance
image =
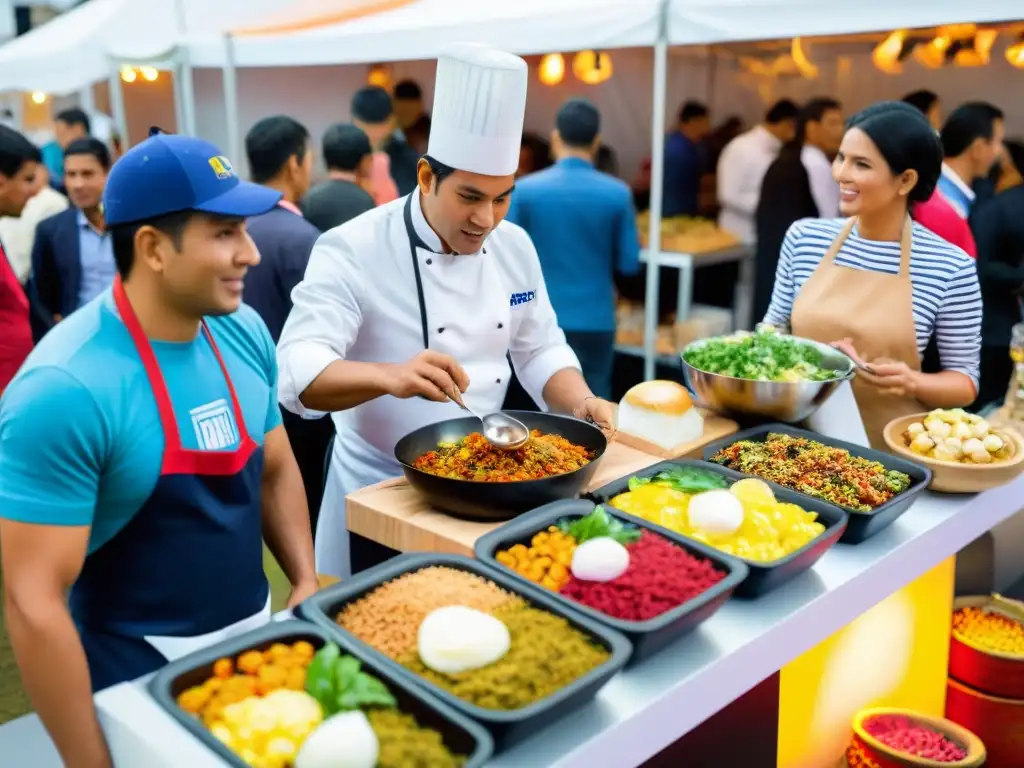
(642, 710)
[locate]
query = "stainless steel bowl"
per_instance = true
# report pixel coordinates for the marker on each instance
(780, 400)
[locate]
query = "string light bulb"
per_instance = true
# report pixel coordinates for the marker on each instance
(149, 73)
(887, 53)
(1015, 53)
(552, 69)
(977, 51)
(592, 67)
(379, 76)
(38, 97)
(129, 75)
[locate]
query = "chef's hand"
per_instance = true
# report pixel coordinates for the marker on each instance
(892, 378)
(597, 411)
(431, 375)
(846, 347)
(301, 591)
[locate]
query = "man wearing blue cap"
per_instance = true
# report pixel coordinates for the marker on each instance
(142, 457)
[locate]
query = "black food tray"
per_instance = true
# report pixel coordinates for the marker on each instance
(763, 577)
(862, 525)
(461, 735)
(649, 636)
(506, 727)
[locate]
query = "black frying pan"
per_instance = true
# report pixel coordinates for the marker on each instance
(476, 500)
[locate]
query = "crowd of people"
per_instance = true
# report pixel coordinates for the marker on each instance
(160, 421)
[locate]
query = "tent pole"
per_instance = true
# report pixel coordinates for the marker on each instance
(179, 99)
(183, 73)
(659, 95)
(229, 75)
(117, 103)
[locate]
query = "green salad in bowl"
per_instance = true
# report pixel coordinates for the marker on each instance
(767, 355)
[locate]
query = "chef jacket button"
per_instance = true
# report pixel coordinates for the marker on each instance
(430, 261)
(501, 325)
(440, 330)
(497, 381)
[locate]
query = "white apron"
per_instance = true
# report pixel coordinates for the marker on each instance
(460, 306)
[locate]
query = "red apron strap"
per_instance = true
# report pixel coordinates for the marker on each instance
(243, 432)
(169, 422)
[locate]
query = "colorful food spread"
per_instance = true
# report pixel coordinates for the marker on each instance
(764, 355)
(989, 631)
(288, 707)
(620, 570)
(903, 734)
(743, 519)
(536, 654)
(823, 471)
(473, 458)
(956, 435)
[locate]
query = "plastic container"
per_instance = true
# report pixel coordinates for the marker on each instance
(461, 735)
(996, 674)
(867, 752)
(649, 636)
(999, 722)
(762, 577)
(506, 726)
(862, 525)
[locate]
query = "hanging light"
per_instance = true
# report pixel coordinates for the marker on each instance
(38, 97)
(380, 76)
(933, 53)
(976, 51)
(1015, 53)
(592, 67)
(149, 73)
(803, 63)
(552, 69)
(890, 52)
(128, 74)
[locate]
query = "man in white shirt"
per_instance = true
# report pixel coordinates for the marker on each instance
(18, 234)
(743, 164)
(972, 141)
(821, 128)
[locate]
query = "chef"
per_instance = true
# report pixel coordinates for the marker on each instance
(416, 305)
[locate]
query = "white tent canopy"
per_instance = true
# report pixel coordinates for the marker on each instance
(418, 30)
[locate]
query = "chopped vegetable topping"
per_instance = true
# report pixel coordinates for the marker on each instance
(761, 356)
(683, 478)
(597, 524)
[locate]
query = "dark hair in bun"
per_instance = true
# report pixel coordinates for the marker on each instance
(906, 140)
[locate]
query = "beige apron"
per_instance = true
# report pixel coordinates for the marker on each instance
(876, 311)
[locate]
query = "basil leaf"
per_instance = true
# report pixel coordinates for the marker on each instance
(638, 482)
(320, 675)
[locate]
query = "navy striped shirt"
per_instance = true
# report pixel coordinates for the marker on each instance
(947, 298)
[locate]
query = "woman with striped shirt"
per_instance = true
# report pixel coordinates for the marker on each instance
(878, 285)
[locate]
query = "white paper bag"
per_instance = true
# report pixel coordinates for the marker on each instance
(839, 417)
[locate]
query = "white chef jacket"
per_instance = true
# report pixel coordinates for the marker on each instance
(741, 169)
(358, 301)
(824, 187)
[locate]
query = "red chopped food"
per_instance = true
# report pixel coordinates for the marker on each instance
(660, 577)
(902, 733)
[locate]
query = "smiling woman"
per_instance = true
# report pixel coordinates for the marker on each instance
(879, 285)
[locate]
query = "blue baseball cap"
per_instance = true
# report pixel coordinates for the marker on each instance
(168, 173)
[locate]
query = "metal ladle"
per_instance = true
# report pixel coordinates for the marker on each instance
(501, 430)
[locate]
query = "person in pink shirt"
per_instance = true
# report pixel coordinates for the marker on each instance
(373, 112)
(939, 216)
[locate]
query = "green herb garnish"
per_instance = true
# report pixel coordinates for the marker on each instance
(340, 685)
(599, 524)
(764, 355)
(683, 478)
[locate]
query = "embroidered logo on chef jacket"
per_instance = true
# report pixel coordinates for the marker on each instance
(214, 425)
(222, 167)
(518, 299)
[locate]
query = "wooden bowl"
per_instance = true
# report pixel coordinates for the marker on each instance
(955, 476)
(864, 745)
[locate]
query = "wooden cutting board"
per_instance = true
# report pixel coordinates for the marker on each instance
(393, 514)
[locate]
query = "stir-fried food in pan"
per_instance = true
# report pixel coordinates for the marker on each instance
(473, 458)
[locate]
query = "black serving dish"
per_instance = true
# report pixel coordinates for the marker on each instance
(862, 525)
(763, 577)
(460, 734)
(474, 500)
(506, 726)
(648, 637)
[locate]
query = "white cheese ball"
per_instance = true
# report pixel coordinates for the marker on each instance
(345, 740)
(601, 559)
(993, 443)
(954, 445)
(981, 429)
(981, 457)
(962, 430)
(915, 429)
(922, 444)
(716, 512)
(457, 639)
(942, 454)
(973, 446)
(939, 430)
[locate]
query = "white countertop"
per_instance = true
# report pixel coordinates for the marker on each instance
(643, 710)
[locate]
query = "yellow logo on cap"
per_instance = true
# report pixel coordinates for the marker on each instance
(222, 167)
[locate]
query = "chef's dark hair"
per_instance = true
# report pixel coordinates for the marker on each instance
(271, 143)
(439, 169)
(122, 236)
(344, 147)
(578, 123)
(372, 104)
(906, 140)
(968, 123)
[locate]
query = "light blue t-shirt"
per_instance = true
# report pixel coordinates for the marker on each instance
(80, 436)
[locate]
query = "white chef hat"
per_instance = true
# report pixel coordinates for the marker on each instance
(479, 105)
